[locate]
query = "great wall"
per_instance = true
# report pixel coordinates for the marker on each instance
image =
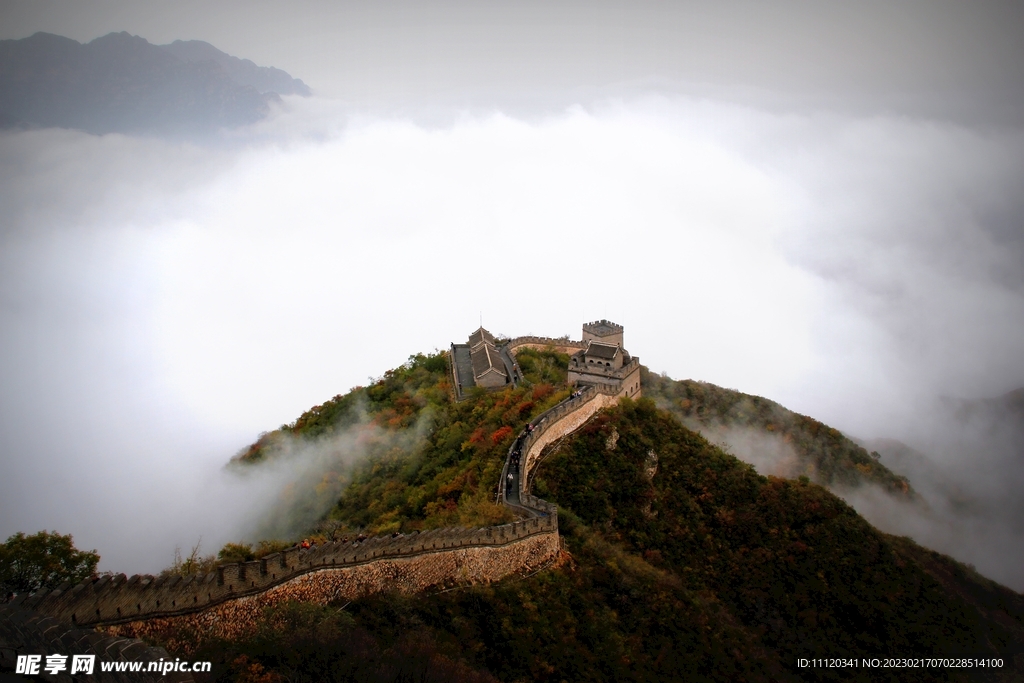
(228, 602)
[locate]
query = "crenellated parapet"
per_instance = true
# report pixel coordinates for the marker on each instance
(563, 344)
(436, 570)
(120, 599)
(546, 428)
(25, 632)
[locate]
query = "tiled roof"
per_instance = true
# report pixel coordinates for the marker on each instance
(481, 335)
(486, 358)
(599, 350)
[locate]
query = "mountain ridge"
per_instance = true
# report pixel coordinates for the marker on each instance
(774, 568)
(241, 71)
(121, 83)
(799, 444)
(676, 559)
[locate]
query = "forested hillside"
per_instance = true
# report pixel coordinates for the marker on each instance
(796, 445)
(429, 462)
(681, 562)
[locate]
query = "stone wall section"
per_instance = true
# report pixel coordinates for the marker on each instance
(118, 599)
(596, 374)
(238, 618)
(560, 424)
(631, 381)
(24, 632)
(548, 427)
(540, 343)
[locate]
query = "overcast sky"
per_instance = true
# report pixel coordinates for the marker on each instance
(935, 58)
(816, 203)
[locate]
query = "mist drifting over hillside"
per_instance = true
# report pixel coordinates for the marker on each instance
(163, 302)
(961, 499)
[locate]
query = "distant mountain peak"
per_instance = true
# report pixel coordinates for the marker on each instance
(241, 71)
(122, 83)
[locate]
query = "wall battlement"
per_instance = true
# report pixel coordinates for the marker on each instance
(24, 632)
(119, 599)
(614, 373)
(549, 426)
(532, 342)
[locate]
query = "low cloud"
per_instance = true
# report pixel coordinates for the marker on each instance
(306, 476)
(988, 540)
(967, 461)
(967, 481)
(768, 453)
(162, 303)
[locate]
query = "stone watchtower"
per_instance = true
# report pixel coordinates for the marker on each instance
(604, 332)
(604, 361)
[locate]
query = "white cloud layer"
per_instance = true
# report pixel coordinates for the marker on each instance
(161, 304)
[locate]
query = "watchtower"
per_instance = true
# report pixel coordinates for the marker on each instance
(604, 361)
(603, 331)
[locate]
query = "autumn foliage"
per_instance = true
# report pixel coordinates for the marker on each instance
(681, 562)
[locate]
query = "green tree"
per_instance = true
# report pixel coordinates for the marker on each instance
(236, 552)
(43, 560)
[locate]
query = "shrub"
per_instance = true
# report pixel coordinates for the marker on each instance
(43, 560)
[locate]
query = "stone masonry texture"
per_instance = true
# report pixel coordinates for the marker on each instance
(238, 618)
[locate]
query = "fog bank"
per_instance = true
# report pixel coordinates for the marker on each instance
(163, 303)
